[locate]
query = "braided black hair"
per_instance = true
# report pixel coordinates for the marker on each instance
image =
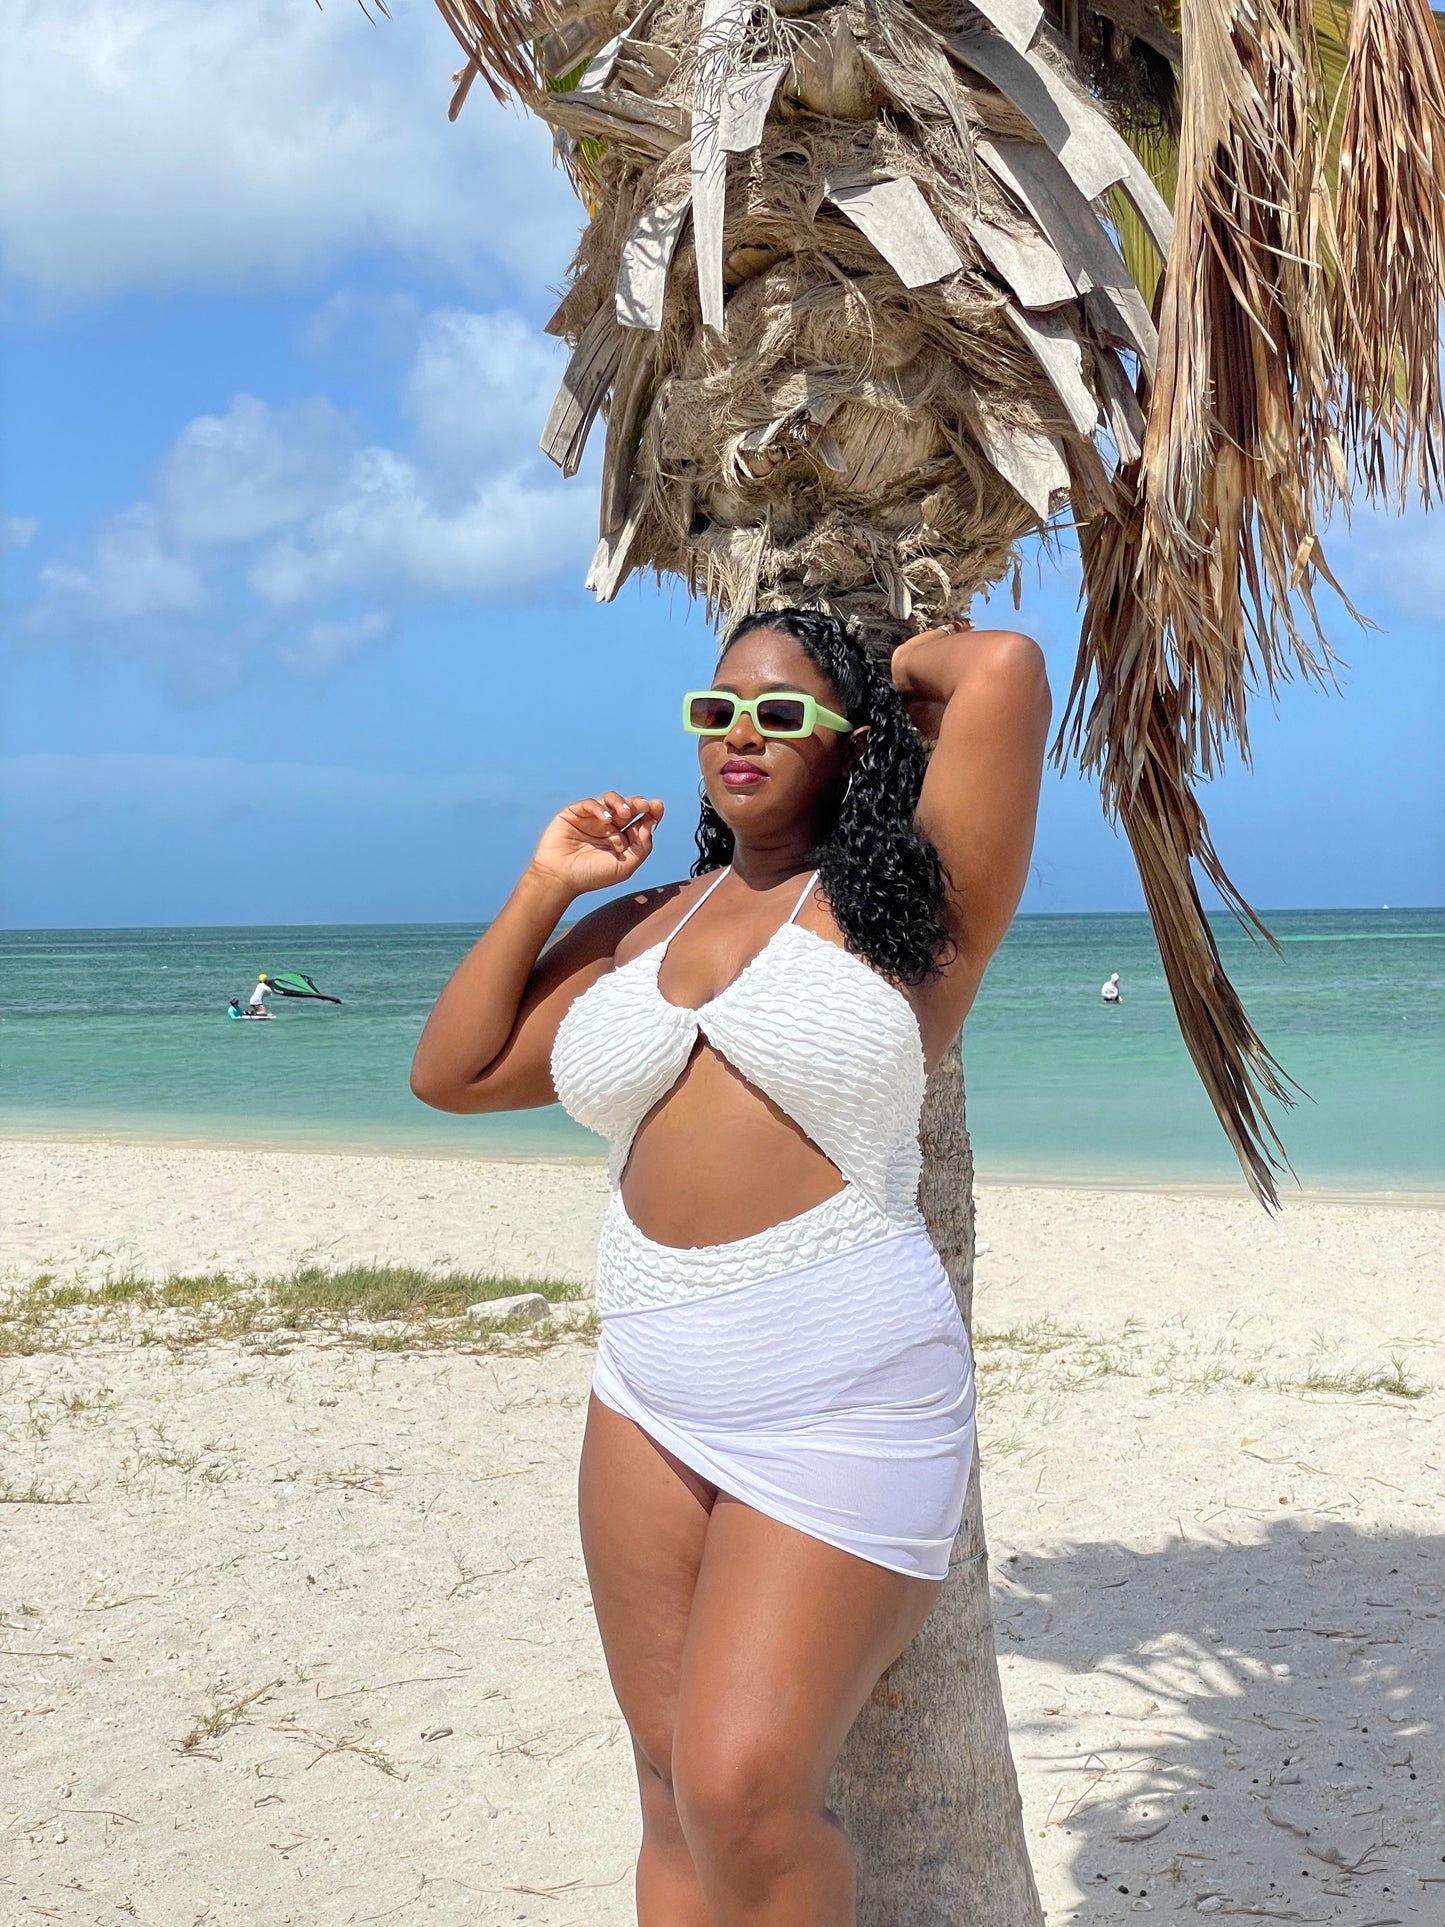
(882, 878)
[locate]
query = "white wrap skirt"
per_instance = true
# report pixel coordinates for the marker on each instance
(818, 1371)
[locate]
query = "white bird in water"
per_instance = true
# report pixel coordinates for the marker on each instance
(1110, 991)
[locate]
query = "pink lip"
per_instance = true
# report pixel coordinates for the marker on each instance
(738, 775)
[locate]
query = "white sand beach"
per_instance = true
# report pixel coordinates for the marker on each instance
(295, 1630)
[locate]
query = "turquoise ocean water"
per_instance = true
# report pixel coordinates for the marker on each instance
(124, 1033)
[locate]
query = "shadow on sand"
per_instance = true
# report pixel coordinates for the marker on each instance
(1261, 1723)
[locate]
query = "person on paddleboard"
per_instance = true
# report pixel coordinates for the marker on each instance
(239, 1008)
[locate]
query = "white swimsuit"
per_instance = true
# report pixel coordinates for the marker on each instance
(818, 1370)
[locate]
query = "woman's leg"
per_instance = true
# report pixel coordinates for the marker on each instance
(786, 1638)
(644, 1521)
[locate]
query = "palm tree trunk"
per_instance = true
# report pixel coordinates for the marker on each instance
(926, 1786)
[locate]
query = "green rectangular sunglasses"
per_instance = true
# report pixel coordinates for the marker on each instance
(712, 712)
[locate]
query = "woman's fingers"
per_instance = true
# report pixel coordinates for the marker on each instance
(589, 817)
(629, 812)
(648, 815)
(613, 812)
(615, 819)
(613, 826)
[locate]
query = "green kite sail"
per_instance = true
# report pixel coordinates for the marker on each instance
(291, 983)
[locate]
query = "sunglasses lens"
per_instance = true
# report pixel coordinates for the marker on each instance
(784, 715)
(711, 712)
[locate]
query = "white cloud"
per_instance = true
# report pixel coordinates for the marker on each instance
(276, 521)
(132, 574)
(17, 531)
(479, 388)
(502, 542)
(242, 475)
(236, 143)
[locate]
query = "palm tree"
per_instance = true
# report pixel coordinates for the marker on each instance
(871, 291)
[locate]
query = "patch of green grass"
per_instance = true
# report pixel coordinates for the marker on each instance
(81, 1404)
(425, 1307)
(21, 1315)
(402, 1291)
(173, 1459)
(1395, 1382)
(35, 1494)
(1042, 1336)
(115, 1291)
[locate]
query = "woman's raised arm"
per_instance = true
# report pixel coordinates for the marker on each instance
(487, 1044)
(984, 695)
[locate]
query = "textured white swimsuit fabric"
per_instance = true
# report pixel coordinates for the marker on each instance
(818, 1370)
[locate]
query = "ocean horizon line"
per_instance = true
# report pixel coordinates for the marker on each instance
(1220, 912)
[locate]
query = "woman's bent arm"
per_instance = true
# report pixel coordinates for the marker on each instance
(488, 1041)
(475, 1015)
(985, 696)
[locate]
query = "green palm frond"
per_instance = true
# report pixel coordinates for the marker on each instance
(1159, 151)
(581, 157)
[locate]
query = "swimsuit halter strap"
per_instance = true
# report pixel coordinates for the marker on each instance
(694, 908)
(807, 892)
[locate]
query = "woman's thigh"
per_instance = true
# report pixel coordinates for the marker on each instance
(644, 1519)
(786, 1638)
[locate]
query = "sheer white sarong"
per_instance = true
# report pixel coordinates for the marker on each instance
(834, 1394)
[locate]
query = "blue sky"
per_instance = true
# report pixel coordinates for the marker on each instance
(293, 621)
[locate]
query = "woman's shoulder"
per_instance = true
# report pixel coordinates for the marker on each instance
(628, 924)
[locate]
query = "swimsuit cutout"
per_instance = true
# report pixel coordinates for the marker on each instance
(821, 1033)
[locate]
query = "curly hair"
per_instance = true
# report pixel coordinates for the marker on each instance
(882, 878)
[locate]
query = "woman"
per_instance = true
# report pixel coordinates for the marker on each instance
(781, 1427)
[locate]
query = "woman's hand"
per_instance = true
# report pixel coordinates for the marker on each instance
(922, 699)
(487, 1044)
(585, 846)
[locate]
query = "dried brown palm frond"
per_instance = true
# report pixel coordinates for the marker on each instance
(1391, 227)
(1194, 591)
(866, 299)
(1147, 778)
(497, 40)
(1241, 442)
